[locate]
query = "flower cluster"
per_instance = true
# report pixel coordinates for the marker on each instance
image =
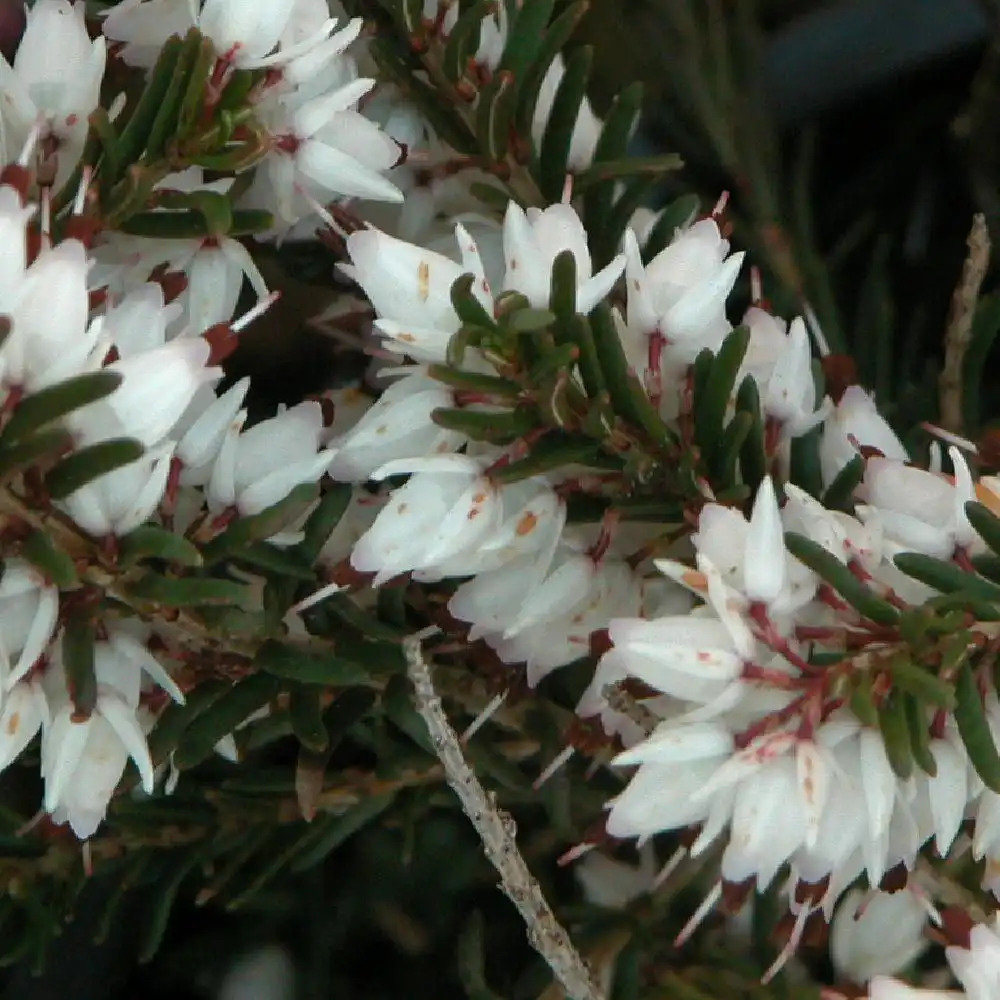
(113, 341)
(756, 670)
(575, 457)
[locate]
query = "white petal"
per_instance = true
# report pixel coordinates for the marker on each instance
(123, 721)
(66, 740)
(764, 567)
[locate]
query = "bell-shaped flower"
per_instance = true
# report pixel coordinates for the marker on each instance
(202, 429)
(691, 657)
(50, 339)
(259, 467)
(56, 76)
(855, 423)
(768, 341)
(324, 149)
(245, 34)
(144, 25)
(660, 796)
(83, 758)
(790, 396)
(531, 244)
(918, 510)
(947, 791)
(398, 426)
(499, 598)
(29, 608)
(559, 628)
(25, 710)
(836, 819)
(843, 536)
(878, 934)
(445, 508)
(410, 288)
(215, 267)
(977, 967)
(14, 219)
(768, 823)
(681, 294)
(156, 388)
(215, 274)
(751, 556)
(248, 30)
(117, 502)
(531, 521)
(140, 320)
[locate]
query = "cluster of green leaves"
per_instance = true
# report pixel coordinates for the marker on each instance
(33, 437)
(488, 115)
(564, 388)
(175, 122)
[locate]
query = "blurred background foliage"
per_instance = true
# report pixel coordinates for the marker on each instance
(856, 139)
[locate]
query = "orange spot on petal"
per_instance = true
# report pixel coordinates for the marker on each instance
(527, 523)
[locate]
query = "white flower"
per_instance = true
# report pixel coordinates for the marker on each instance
(50, 339)
(764, 562)
(25, 712)
(119, 501)
(681, 294)
(661, 796)
(445, 508)
(56, 76)
(751, 557)
(326, 149)
(524, 576)
(688, 657)
(83, 759)
(843, 536)
(768, 341)
(398, 426)
(855, 423)
(532, 242)
(554, 628)
(139, 321)
(790, 394)
(876, 935)
(768, 822)
(157, 387)
(919, 510)
(531, 521)
(14, 219)
(410, 288)
(258, 468)
(248, 30)
(215, 273)
(144, 25)
(29, 607)
(202, 430)
(978, 966)
(214, 267)
(243, 33)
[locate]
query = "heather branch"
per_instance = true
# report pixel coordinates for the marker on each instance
(959, 332)
(497, 831)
